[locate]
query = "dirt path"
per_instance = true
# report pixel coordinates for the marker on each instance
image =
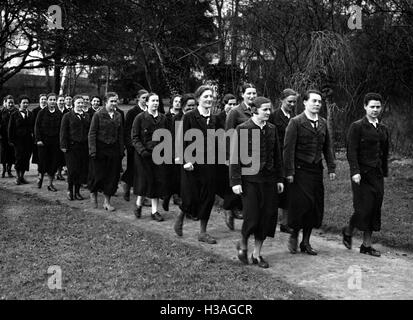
(336, 273)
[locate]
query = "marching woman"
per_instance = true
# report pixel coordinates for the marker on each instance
(258, 189)
(7, 151)
(307, 139)
(127, 176)
(47, 130)
(149, 180)
(68, 102)
(95, 106)
(367, 153)
(74, 143)
(173, 171)
(105, 141)
(21, 137)
(280, 118)
(235, 117)
(232, 202)
(41, 106)
(198, 176)
(61, 159)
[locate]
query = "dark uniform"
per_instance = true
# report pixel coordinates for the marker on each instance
(20, 133)
(7, 151)
(74, 138)
(280, 120)
(198, 186)
(105, 141)
(47, 130)
(303, 149)
(150, 178)
(259, 190)
(61, 162)
(367, 153)
(35, 156)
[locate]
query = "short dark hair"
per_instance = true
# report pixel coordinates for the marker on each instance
(227, 97)
(42, 95)
(23, 97)
(108, 96)
(201, 89)
(51, 94)
(372, 96)
(245, 86)
(141, 92)
(9, 96)
(150, 94)
(186, 97)
(173, 98)
(258, 102)
(78, 96)
(306, 95)
(100, 99)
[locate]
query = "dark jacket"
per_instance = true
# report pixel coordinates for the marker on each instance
(5, 115)
(143, 128)
(237, 116)
(130, 117)
(47, 126)
(221, 119)
(281, 122)
(303, 143)
(19, 127)
(194, 120)
(105, 130)
(270, 163)
(367, 147)
(73, 129)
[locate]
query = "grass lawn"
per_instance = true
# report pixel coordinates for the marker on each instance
(105, 259)
(397, 211)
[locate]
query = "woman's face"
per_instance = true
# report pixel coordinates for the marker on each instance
(24, 104)
(206, 99)
(249, 95)
(61, 102)
(51, 101)
(95, 103)
(153, 103)
(112, 103)
(190, 105)
(142, 100)
(289, 103)
(68, 102)
(176, 104)
(9, 103)
(43, 101)
(230, 105)
(78, 105)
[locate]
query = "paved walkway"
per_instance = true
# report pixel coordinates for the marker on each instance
(336, 273)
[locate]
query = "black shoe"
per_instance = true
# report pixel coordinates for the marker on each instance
(347, 239)
(370, 251)
(126, 192)
(205, 237)
(39, 182)
(138, 212)
(157, 216)
(70, 195)
(260, 261)
(165, 203)
(242, 254)
(286, 229)
(18, 182)
(51, 188)
(78, 196)
(179, 223)
(306, 248)
(293, 244)
(229, 219)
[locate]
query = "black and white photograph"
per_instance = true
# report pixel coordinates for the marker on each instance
(209, 157)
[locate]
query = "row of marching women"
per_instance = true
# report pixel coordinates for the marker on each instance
(269, 169)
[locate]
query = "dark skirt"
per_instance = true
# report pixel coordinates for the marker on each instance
(198, 190)
(128, 175)
(223, 189)
(23, 152)
(105, 173)
(283, 198)
(77, 161)
(6, 152)
(35, 154)
(48, 157)
(149, 180)
(173, 179)
(259, 202)
(306, 208)
(61, 161)
(367, 201)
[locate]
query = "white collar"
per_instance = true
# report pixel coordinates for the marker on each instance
(204, 114)
(374, 123)
(286, 114)
(259, 125)
(309, 117)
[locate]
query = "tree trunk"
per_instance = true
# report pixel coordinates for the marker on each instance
(165, 72)
(57, 74)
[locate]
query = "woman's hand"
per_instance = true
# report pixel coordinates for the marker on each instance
(290, 179)
(280, 187)
(356, 178)
(189, 166)
(237, 189)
